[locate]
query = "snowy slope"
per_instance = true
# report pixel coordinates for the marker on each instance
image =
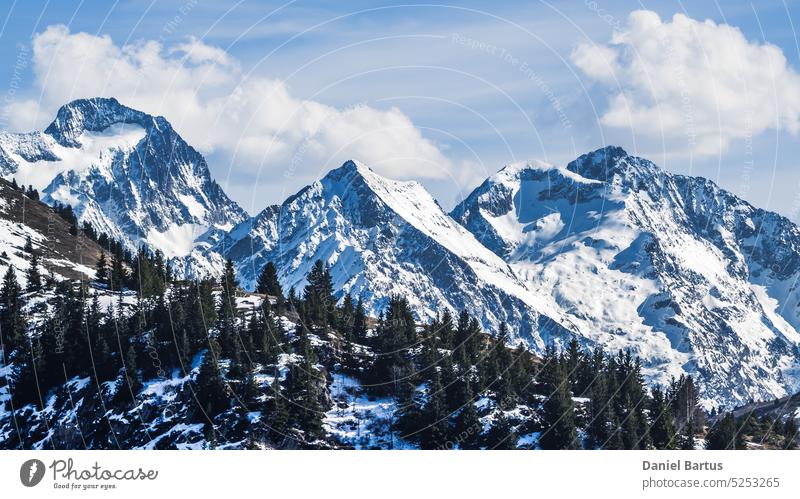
(60, 253)
(690, 277)
(380, 237)
(127, 173)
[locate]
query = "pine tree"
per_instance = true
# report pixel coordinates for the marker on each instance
(269, 284)
(133, 378)
(248, 389)
(228, 324)
(279, 414)
(211, 391)
(461, 338)
(101, 273)
(186, 351)
(305, 391)
(119, 276)
(687, 437)
(436, 428)
(319, 302)
(630, 401)
(501, 435)
(34, 277)
(789, 432)
(346, 318)
(395, 335)
(558, 412)
(12, 324)
(360, 323)
(574, 357)
(724, 434)
(228, 283)
(596, 378)
(685, 401)
(445, 330)
(468, 427)
(662, 429)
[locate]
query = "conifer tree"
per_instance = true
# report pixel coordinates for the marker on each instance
(228, 283)
(558, 412)
(360, 323)
(436, 431)
(279, 414)
(685, 401)
(12, 324)
(346, 318)
(461, 337)
(789, 432)
(211, 391)
(319, 303)
(574, 358)
(118, 276)
(34, 277)
(596, 378)
(501, 435)
(445, 330)
(687, 436)
(662, 429)
(133, 378)
(468, 427)
(395, 334)
(248, 389)
(724, 434)
(269, 284)
(101, 273)
(306, 393)
(202, 312)
(185, 351)
(228, 324)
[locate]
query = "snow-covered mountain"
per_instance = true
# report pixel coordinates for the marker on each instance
(610, 248)
(381, 237)
(689, 276)
(127, 173)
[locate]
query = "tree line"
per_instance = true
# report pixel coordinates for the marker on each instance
(454, 385)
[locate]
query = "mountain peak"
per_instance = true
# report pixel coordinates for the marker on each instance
(354, 175)
(600, 164)
(349, 168)
(94, 115)
(514, 170)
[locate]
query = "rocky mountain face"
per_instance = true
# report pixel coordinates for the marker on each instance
(690, 277)
(126, 172)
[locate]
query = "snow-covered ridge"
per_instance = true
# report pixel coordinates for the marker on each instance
(380, 237)
(690, 277)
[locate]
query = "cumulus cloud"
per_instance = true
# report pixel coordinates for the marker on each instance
(699, 82)
(255, 122)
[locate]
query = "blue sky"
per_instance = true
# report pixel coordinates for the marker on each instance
(445, 94)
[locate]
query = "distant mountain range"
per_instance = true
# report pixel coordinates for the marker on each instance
(608, 249)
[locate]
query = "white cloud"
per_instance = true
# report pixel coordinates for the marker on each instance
(255, 123)
(697, 82)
